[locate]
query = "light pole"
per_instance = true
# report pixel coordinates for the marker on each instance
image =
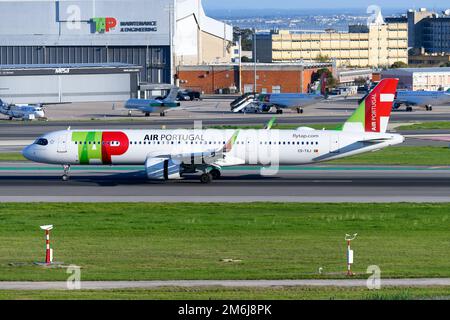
(254, 61)
(238, 32)
(240, 63)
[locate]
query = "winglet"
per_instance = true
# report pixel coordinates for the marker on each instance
(231, 142)
(270, 124)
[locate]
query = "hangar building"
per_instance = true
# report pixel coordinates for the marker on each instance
(156, 34)
(68, 83)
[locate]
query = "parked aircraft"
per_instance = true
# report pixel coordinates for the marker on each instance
(171, 154)
(154, 106)
(280, 101)
(426, 99)
(24, 112)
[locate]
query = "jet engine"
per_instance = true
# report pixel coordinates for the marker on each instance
(265, 108)
(163, 169)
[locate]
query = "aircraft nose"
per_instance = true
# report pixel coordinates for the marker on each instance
(27, 152)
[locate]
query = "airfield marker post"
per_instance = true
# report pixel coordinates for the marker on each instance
(48, 250)
(349, 239)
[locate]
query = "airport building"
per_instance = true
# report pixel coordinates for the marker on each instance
(156, 35)
(428, 79)
(269, 77)
(376, 45)
(65, 83)
(429, 30)
(423, 59)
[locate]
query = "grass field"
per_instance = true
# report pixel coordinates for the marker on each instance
(426, 126)
(11, 156)
(402, 155)
(189, 241)
(293, 293)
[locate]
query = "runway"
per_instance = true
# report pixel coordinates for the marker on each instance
(334, 184)
(111, 285)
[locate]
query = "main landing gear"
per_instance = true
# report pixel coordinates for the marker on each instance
(208, 176)
(279, 111)
(162, 114)
(429, 108)
(65, 176)
(300, 110)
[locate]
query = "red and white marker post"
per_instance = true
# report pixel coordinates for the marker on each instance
(48, 250)
(349, 239)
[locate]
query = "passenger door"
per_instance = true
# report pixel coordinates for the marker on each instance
(62, 143)
(334, 143)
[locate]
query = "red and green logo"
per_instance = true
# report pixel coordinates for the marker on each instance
(103, 25)
(99, 147)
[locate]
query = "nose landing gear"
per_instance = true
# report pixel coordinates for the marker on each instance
(66, 176)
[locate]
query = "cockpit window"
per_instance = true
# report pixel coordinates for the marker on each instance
(42, 142)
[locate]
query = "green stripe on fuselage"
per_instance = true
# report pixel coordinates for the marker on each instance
(89, 146)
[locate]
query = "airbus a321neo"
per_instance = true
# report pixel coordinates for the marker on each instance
(170, 154)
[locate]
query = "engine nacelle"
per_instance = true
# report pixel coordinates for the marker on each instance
(265, 108)
(162, 169)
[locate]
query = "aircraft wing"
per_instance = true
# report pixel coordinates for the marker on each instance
(208, 155)
(374, 141)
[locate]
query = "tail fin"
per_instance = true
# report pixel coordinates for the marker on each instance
(374, 110)
(172, 96)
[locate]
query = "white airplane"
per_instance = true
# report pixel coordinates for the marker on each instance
(170, 154)
(24, 112)
(426, 99)
(296, 101)
(155, 105)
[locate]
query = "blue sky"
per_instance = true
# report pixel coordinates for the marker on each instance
(318, 4)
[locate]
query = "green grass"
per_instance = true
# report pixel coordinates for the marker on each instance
(402, 155)
(188, 241)
(11, 156)
(291, 293)
(426, 126)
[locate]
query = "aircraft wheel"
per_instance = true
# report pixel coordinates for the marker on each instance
(147, 114)
(162, 114)
(279, 111)
(206, 178)
(65, 177)
(409, 109)
(216, 174)
(10, 118)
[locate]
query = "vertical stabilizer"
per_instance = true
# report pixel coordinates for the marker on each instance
(374, 110)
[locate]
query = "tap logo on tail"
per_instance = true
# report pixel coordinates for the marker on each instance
(374, 110)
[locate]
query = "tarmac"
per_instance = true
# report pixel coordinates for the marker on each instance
(25, 182)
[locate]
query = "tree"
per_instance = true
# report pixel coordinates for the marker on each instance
(323, 58)
(360, 81)
(247, 38)
(399, 64)
(331, 80)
